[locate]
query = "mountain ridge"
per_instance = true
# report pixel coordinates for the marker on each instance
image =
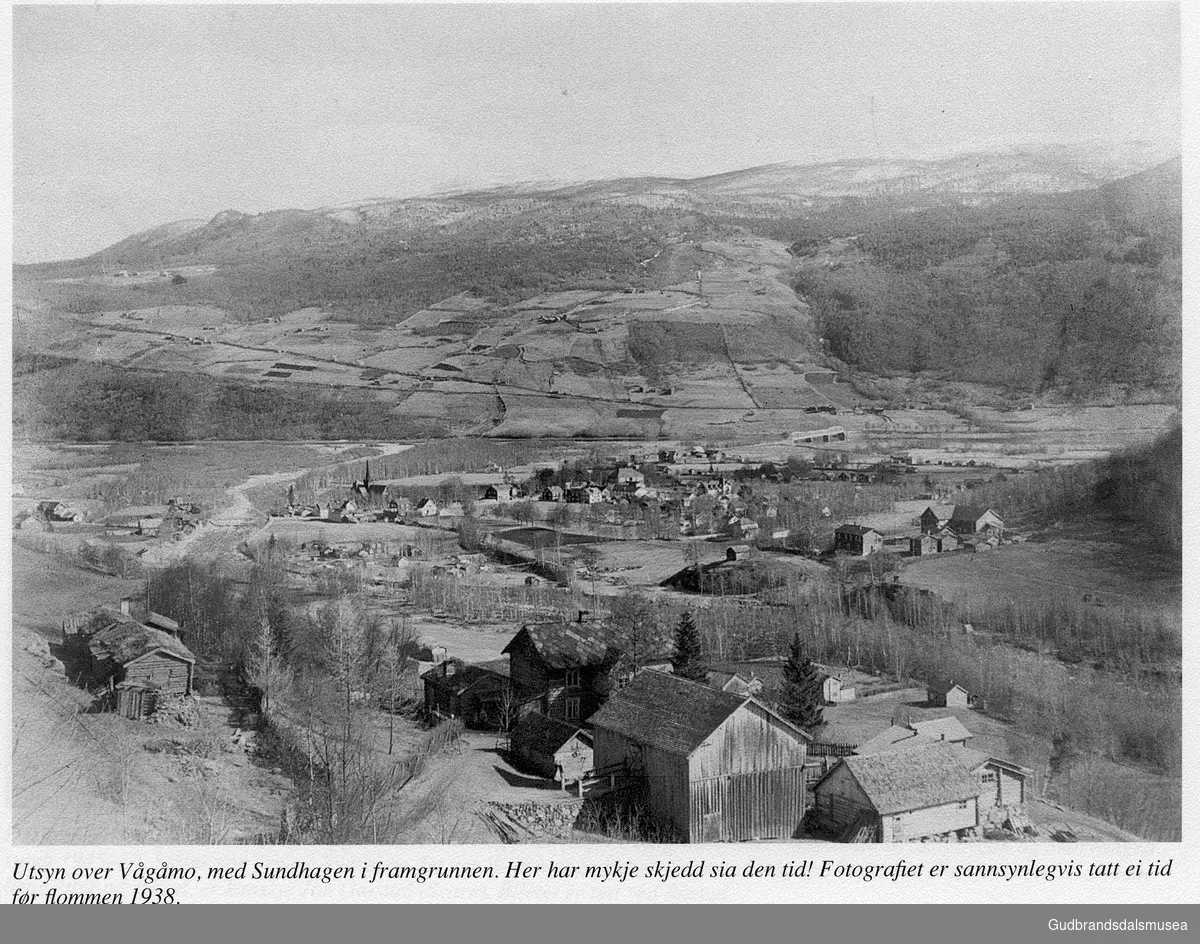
(971, 174)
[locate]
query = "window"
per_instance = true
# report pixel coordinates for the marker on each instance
(989, 778)
(571, 678)
(962, 804)
(572, 709)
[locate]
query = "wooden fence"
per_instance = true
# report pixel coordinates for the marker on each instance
(831, 750)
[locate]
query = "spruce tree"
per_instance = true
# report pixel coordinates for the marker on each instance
(689, 660)
(803, 699)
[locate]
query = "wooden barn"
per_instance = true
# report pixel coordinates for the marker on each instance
(717, 767)
(552, 748)
(901, 794)
(836, 691)
(142, 663)
(973, 519)
(931, 521)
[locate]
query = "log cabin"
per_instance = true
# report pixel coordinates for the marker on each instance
(142, 663)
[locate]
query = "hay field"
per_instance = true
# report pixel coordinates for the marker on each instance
(1116, 575)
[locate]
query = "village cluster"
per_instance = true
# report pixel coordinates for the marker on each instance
(596, 712)
(697, 493)
(580, 706)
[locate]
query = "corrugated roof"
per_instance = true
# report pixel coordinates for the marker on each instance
(668, 712)
(896, 781)
(563, 645)
(126, 640)
(545, 735)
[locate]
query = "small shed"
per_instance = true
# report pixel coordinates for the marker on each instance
(552, 748)
(136, 700)
(836, 691)
(716, 766)
(737, 682)
(923, 546)
(1002, 783)
(130, 652)
(943, 693)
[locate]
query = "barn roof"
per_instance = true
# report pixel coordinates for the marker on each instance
(890, 738)
(854, 529)
(944, 729)
(563, 645)
(942, 686)
(896, 781)
(971, 512)
(545, 735)
(126, 640)
(670, 713)
(769, 671)
(667, 712)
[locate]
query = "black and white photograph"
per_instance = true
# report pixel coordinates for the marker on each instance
(624, 425)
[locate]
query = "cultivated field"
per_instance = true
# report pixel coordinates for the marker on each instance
(1088, 572)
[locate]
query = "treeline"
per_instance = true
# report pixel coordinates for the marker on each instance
(1083, 326)
(1144, 488)
(316, 670)
(81, 402)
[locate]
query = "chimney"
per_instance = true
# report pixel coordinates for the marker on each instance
(124, 607)
(439, 655)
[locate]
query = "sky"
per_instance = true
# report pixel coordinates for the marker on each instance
(126, 117)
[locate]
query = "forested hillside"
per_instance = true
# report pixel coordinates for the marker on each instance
(947, 270)
(1077, 292)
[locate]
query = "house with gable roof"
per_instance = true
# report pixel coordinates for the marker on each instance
(566, 670)
(716, 766)
(928, 789)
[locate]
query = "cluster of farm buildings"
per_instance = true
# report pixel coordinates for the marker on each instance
(713, 761)
(966, 528)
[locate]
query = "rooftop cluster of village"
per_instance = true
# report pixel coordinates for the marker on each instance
(607, 626)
